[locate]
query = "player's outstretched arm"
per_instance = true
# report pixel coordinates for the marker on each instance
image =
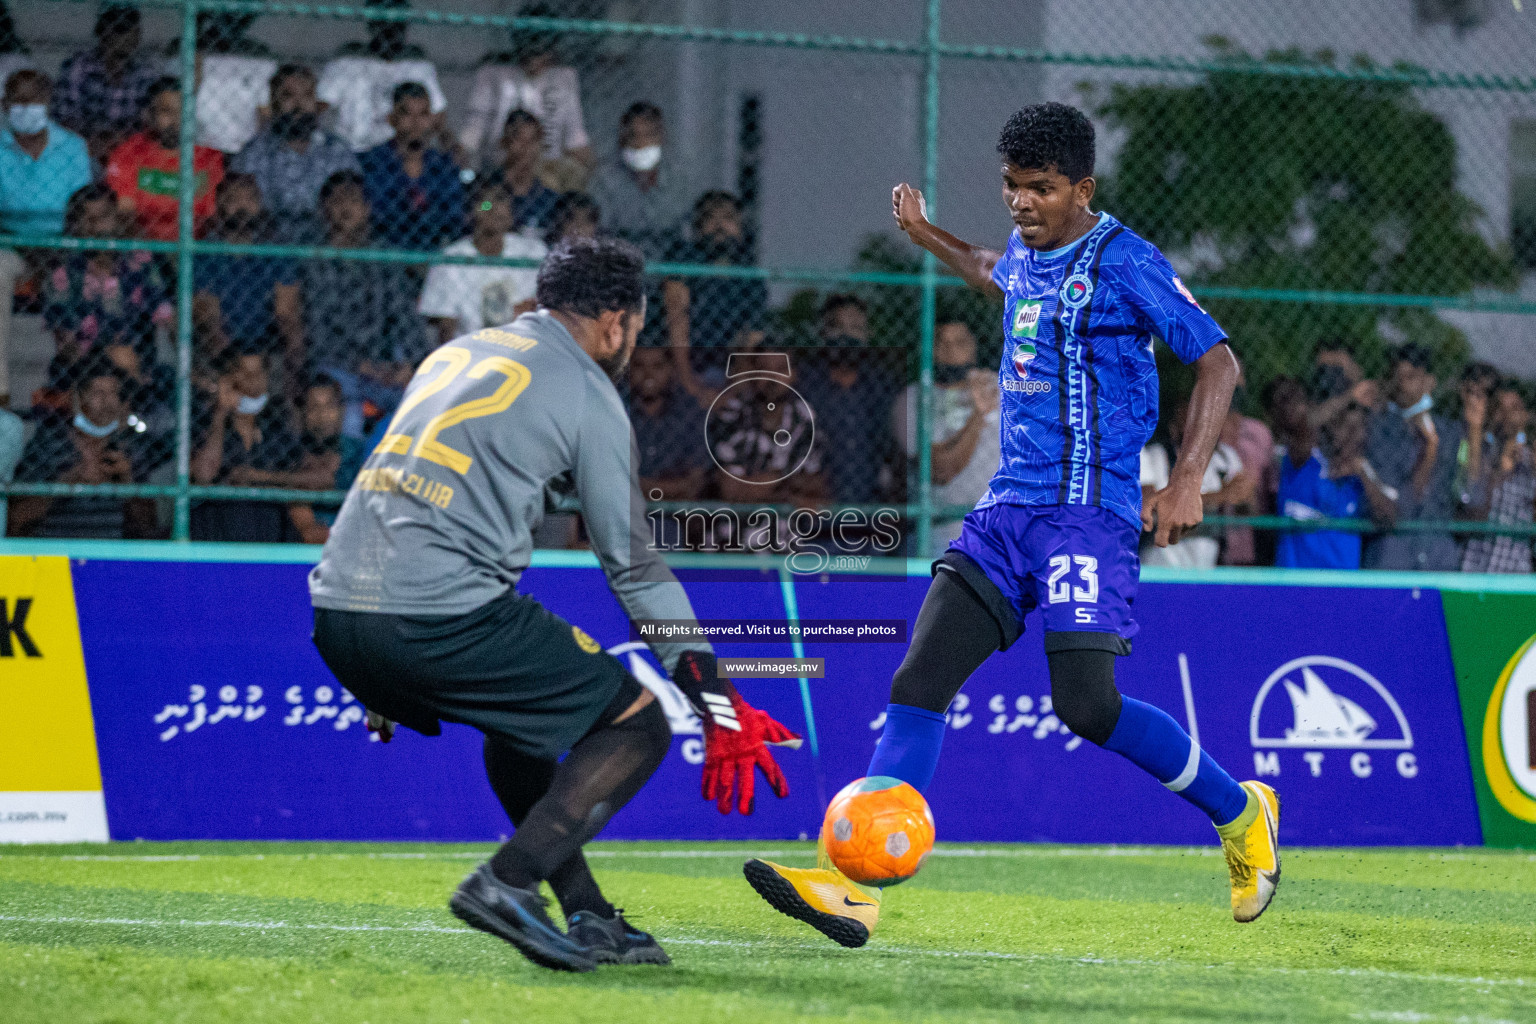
(1177, 508)
(973, 263)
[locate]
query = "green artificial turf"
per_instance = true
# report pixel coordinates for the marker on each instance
(211, 932)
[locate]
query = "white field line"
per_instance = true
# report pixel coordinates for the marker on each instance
(432, 929)
(940, 851)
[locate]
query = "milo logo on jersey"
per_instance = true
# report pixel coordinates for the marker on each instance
(1026, 326)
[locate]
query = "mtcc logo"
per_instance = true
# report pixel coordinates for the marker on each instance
(1319, 704)
(642, 664)
(1509, 735)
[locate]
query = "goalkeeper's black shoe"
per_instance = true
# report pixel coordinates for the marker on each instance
(517, 916)
(614, 940)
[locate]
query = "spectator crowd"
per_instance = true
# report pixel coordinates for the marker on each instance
(297, 364)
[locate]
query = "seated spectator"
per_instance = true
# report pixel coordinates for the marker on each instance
(851, 389)
(669, 429)
(12, 436)
(41, 166)
(94, 448)
(1501, 480)
(964, 440)
(462, 298)
(149, 401)
(1414, 450)
(359, 85)
(522, 149)
(95, 299)
(1313, 485)
(758, 436)
(324, 450)
(100, 91)
(293, 156)
(531, 79)
(1224, 483)
(234, 73)
(360, 321)
(643, 197)
(715, 313)
(145, 170)
(414, 189)
(574, 215)
(248, 444)
(250, 302)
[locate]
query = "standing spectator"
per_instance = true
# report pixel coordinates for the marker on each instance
(1414, 450)
(462, 298)
(575, 215)
(12, 437)
(669, 429)
(14, 56)
(323, 449)
(247, 444)
(531, 80)
(851, 394)
(360, 321)
(145, 170)
(1313, 486)
(414, 189)
(1501, 480)
(95, 299)
(234, 74)
(964, 439)
(522, 150)
(1224, 483)
(643, 197)
(360, 84)
(716, 313)
(93, 448)
(250, 302)
(41, 166)
(101, 90)
(1255, 445)
(293, 157)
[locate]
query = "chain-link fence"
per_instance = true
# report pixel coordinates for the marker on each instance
(1351, 192)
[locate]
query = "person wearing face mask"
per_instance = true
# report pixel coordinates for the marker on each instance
(145, 170)
(963, 425)
(41, 166)
(250, 302)
(1414, 450)
(248, 444)
(293, 157)
(359, 85)
(644, 198)
(92, 447)
(413, 187)
(1501, 479)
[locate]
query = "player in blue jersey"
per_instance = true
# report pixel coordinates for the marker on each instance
(1058, 528)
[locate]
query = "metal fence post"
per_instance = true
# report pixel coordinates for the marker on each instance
(187, 183)
(929, 281)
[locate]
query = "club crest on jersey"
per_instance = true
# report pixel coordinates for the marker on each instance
(1023, 352)
(1077, 291)
(1186, 293)
(1026, 321)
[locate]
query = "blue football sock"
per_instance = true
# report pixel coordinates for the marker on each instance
(909, 746)
(1153, 741)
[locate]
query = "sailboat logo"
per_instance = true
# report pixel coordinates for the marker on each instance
(1328, 705)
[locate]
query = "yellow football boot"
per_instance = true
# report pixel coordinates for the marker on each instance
(823, 897)
(1252, 847)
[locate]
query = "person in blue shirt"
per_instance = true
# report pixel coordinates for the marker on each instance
(1059, 526)
(1316, 485)
(414, 188)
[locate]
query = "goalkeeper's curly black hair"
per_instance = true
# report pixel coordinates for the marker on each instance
(591, 276)
(1048, 135)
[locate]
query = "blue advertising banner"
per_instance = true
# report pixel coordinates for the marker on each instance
(216, 719)
(1343, 700)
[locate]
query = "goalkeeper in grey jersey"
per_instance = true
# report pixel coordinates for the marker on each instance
(418, 615)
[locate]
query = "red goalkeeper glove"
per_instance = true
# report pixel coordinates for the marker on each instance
(736, 737)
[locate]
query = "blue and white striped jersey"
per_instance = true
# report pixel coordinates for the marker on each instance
(1079, 383)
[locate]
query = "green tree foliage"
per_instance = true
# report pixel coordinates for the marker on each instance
(1302, 183)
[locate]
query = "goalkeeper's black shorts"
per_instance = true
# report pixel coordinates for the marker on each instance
(511, 668)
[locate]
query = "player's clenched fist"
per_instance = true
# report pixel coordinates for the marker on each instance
(908, 206)
(1173, 511)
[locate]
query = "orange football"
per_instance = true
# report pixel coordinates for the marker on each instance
(878, 830)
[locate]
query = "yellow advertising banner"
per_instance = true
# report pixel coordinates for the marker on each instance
(50, 779)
